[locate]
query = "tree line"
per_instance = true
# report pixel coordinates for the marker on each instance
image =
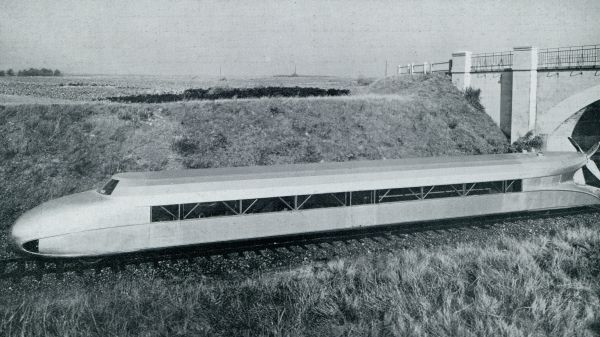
(31, 72)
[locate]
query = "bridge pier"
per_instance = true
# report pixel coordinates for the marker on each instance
(524, 91)
(461, 69)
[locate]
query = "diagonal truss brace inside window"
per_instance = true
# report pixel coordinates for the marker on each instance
(175, 217)
(464, 189)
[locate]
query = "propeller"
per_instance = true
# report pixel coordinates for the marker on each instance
(590, 164)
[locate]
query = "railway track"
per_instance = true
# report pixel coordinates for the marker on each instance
(21, 267)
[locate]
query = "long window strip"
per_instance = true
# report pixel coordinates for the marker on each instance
(425, 191)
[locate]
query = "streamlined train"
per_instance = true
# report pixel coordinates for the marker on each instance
(144, 211)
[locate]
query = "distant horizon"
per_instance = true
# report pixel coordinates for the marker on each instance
(66, 74)
(348, 38)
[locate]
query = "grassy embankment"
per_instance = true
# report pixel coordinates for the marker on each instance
(545, 286)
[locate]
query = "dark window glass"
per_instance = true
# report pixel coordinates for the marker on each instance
(109, 187)
(209, 209)
(266, 205)
(443, 191)
(323, 200)
(514, 186)
(165, 213)
(399, 194)
(362, 197)
(491, 187)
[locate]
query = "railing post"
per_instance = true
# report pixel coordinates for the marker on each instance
(461, 69)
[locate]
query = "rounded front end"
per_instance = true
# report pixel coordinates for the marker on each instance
(55, 218)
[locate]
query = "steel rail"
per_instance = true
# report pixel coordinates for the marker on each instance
(22, 267)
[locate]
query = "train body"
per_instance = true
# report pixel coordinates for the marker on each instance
(155, 210)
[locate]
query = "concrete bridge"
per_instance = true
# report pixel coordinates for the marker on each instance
(526, 89)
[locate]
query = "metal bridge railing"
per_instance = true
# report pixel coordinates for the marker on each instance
(487, 62)
(579, 57)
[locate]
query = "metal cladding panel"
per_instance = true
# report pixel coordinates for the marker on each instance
(233, 228)
(97, 242)
(142, 191)
(76, 213)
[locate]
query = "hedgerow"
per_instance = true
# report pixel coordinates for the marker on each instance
(229, 93)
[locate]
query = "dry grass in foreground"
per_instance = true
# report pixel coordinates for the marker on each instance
(545, 286)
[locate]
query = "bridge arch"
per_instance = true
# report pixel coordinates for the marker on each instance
(560, 121)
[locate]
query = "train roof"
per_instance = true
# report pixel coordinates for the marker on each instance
(234, 183)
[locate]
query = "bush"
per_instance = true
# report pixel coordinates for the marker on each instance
(184, 145)
(473, 97)
(38, 72)
(529, 142)
(2, 73)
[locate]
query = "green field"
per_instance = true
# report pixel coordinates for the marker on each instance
(528, 283)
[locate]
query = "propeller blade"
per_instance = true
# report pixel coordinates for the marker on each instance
(591, 151)
(577, 147)
(578, 178)
(593, 168)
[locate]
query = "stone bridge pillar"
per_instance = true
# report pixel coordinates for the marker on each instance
(461, 69)
(524, 91)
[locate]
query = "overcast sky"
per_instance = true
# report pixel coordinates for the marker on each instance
(254, 38)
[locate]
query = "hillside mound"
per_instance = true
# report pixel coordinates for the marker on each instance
(277, 131)
(422, 85)
(47, 151)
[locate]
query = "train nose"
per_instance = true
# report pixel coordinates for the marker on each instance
(51, 218)
(23, 235)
